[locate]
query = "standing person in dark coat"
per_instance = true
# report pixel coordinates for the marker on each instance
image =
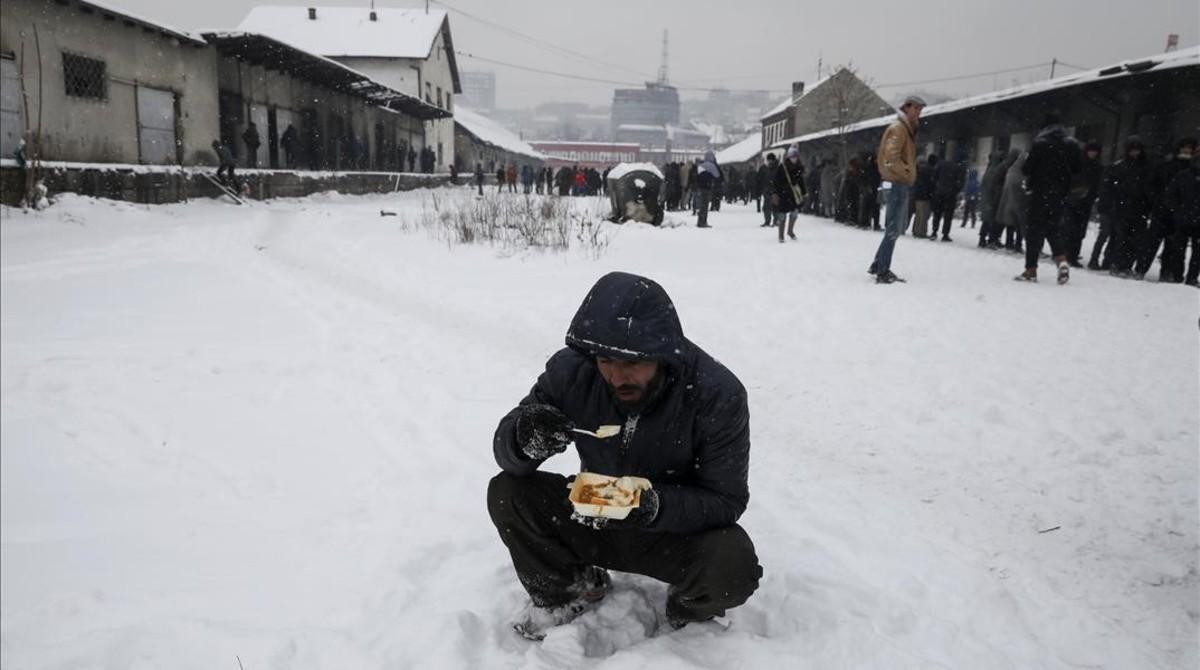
(251, 139)
(290, 141)
(412, 159)
(708, 181)
(868, 207)
(1125, 193)
(1048, 170)
(1161, 220)
(685, 428)
(500, 178)
(949, 177)
(971, 198)
(753, 189)
(479, 177)
(768, 178)
(1183, 202)
(922, 196)
(1078, 211)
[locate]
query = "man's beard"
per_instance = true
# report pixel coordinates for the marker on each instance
(649, 395)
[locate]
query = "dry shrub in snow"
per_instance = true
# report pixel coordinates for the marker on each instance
(516, 222)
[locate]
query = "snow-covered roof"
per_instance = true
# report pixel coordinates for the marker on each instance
(742, 151)
(265, 50)
(1189, 57)
(623, 169)
(106, 8)
(788, 101)
(490, 132)
(349, 31)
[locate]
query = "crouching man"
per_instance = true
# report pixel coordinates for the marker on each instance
(684, 426)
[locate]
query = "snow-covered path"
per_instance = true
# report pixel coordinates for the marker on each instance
(264, 433)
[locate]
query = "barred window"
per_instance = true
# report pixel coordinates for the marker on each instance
(85, 77)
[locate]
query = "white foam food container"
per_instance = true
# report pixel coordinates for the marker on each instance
(606, 511)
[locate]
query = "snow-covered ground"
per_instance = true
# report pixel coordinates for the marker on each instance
(262, 435)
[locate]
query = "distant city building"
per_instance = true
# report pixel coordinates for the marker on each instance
(655, 105)
(588, 154)
(478, 91)
(663, 144)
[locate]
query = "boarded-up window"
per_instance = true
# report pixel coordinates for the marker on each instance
(12, 118)
(156, 126)
(85, 77)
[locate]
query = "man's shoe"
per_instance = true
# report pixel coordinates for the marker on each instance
(872, 270)
(1028, 275)
(946, 238)
(1093, 265)
(1064, 273)
(887, 277)
(588, 590)
(792, 235)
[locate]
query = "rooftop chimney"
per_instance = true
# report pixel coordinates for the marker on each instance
(374, 16)
(797, 89)
(312, 13)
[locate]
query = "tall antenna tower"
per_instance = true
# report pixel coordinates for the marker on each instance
(662, 68)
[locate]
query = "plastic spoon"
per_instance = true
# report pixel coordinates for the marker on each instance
(603, 432)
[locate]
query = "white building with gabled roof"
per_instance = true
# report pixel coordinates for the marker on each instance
(408, 50)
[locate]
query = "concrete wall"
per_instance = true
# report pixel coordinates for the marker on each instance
(81, 129)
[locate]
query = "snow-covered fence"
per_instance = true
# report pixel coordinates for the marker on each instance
(163, 184)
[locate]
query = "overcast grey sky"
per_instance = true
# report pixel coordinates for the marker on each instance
(766, 44)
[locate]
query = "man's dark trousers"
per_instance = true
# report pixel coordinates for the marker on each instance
(708, 572)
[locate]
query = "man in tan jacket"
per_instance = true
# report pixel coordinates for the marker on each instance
(897, 160)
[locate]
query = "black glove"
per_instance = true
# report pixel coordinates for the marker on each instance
(542, 431)
(639, 517)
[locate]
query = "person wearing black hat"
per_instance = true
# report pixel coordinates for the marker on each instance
(1183, 201)
(1162, 226)
(1125, 196)
(1052, 160)
(684, 426)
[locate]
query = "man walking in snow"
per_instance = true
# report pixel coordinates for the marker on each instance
(787, 193)
(685, 428)
(1053, 159)
(897, 159)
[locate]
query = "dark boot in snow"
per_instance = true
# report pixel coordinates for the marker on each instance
(589, 589)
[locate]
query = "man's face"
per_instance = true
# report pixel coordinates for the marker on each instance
(629, 381)
(1093, 154)
(913, 112)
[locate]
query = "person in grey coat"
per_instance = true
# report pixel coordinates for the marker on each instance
(1014, 202)
(989, 199)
